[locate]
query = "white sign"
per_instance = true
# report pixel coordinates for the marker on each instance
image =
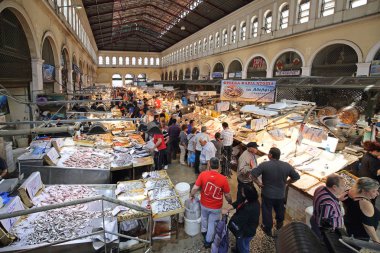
(53, 155)
(12, 206)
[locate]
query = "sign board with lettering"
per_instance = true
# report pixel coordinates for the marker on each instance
(12, 206)
(52, 157)
(29, 189)
(248, 91)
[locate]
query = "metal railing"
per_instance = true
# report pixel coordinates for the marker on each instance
(147, 242)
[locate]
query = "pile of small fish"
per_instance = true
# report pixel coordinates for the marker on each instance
(84, 158)
(128, 186)
(63, 193)
(167, 205)
(154, 174)
(54, 225)
(161, 193)
(348, 181)
(151, 184)
(122, 159)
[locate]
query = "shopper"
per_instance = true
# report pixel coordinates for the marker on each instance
(218, 145)
(191, 146)
(157, 102)
(183, 142)
(228, 138)
(246, 217)
(160, 161)
(208, 151)
(198, 148)
(178, 111)
(327, 213)
(190, 126)
(370, 164)
(184, 100)
(275, 175)
(246, 163)
(361, 216)
(173, 143)
(213, 186)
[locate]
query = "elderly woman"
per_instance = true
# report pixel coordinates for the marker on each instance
(362, 217)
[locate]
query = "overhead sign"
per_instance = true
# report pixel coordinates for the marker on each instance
(375, 68)
(248, 91)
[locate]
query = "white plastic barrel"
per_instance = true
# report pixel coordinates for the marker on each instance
(308, 214)
(192, 227)
(183, 190)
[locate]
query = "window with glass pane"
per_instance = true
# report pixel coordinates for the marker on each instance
(195, 48)
(191, 50)
(303, 11)
(157, 61)
(199, 46)
(357, 3)
(126, 60)
(113, 60)
(268, 22)
(120, 60)
(145, 61)
(284, 17)
(254, 27)
(217, 42)
(107, 60)
(139, 61)
(327, 7)
(100, 61)
(233, 34)
(243, 31)
(133, 60)
(225, 37)
(205, 45)
(211, 39)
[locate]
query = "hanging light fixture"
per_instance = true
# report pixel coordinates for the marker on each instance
(183, 28)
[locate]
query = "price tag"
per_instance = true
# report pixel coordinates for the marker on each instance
(12, 206)
(52, 156)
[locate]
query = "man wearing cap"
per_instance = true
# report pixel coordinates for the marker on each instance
(208, 151)
(213, 186)
(198, 147)
(246, 163)
(275, 175)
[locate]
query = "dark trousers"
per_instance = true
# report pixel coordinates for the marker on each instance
(226, 161)
(279, 208)
(160, 159)
(239, 196)
(197, 161)
(173, 148)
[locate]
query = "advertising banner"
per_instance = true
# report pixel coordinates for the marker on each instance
(248, 91)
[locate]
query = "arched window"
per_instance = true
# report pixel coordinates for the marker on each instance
(117, 81)
(146, 61)
(303, 11)
(254, 27)
(183, 53)
(151, 61)
(284, 16)
(157, 61)
(217, 40)
(126, 60)
(211, 41)
(268, 22)
(133, 60)
(191, 50)
(113, 60)
(139, 61)
(356, 3)
(107, 60)
(233, 34)
(187, 52)
(327, 7)
(120, 60)
(195, 48)
(128, 79)
(225, 37)
(100, 60)
(204, 44)
(243, 30)
(199, 46)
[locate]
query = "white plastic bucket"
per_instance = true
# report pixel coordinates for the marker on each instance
(192, 227)
(183, 189)
(308, 214)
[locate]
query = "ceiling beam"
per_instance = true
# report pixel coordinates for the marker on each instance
(193, 11)
(109, 40)
(215, 6)
(86, 5)
(111, 12)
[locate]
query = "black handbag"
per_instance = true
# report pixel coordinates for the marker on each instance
(234, 226)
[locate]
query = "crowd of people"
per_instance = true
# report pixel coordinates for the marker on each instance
(171, 136)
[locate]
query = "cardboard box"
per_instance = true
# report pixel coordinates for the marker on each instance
(30, 188)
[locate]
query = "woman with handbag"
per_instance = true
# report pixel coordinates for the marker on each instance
(244, 222)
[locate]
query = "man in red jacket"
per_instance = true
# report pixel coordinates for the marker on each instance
(213, 186)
